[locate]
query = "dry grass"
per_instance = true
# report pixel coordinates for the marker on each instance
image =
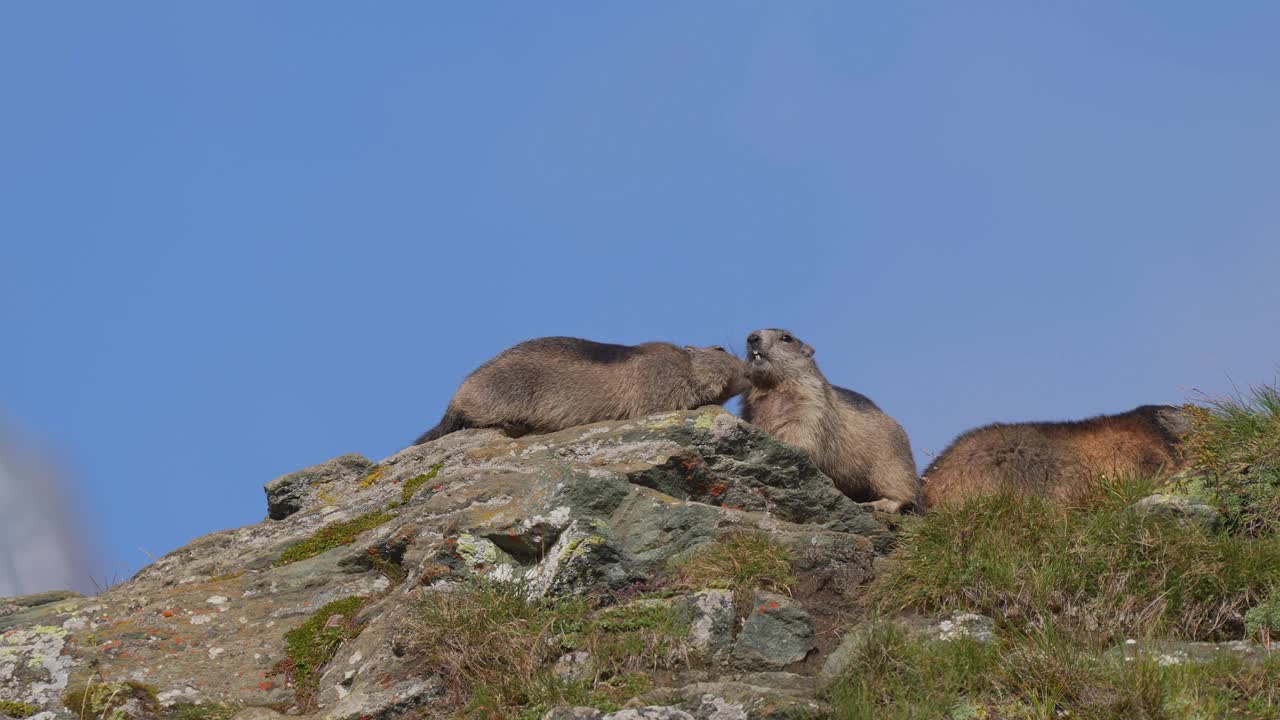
(738, 560)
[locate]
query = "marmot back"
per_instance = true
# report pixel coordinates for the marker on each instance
(1062, 461)
(548, 384)
(864, 451)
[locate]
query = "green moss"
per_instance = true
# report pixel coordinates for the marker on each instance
(107, 701)
(332, 536)
(312, 644)
(203, 711)
(17, 709)
(411, 486)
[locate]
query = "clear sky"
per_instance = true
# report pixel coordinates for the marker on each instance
(239, 238)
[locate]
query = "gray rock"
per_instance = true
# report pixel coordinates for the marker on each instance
(584, 558)
(752, 696)
(574, 665)
(1178, 507)
(290, 493)
(711, 628)
(258, 713)
(576, 713)
(655, 712)
(777, 633)
(1179, 652)
(963, 626)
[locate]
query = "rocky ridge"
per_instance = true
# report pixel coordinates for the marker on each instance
(311, 610)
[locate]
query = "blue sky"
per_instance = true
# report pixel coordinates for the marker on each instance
(239, 238)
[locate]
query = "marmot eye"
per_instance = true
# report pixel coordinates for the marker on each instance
(717, 347)
(785, 338)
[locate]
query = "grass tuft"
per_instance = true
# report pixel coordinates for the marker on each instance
(739, 560)
(495, 649)
(332, 536)
(1234, 450)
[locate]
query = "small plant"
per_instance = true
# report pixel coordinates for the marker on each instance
(739, 560)
(312, 644)
(332, 536)
(1263, 620)
(112, 700)
(17, 709)
(412, 485)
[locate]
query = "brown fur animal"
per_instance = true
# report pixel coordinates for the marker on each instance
(1061, 461)
(850, 439)
(552, 383)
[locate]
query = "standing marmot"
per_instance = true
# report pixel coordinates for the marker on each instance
(1058, 460)
(863, 450)
(552, 383)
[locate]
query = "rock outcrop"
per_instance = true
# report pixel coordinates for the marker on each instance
(312, 610)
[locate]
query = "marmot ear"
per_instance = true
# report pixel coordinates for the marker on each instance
(807, 351)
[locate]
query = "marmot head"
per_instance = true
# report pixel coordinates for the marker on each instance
(719, 372)
(776, 354)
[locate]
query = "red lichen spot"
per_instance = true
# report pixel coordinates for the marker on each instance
(717, 490)
(372, 550)
(436, 488)
(266, 685)
(167, 613)
(773, 606)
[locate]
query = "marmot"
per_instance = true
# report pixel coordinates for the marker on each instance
(1061, 461)
(552, 383)
(850, 439)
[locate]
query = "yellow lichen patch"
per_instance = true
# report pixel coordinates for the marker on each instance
(705, 422)
(372, 476)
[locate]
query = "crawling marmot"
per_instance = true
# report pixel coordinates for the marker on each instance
(552, 383)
